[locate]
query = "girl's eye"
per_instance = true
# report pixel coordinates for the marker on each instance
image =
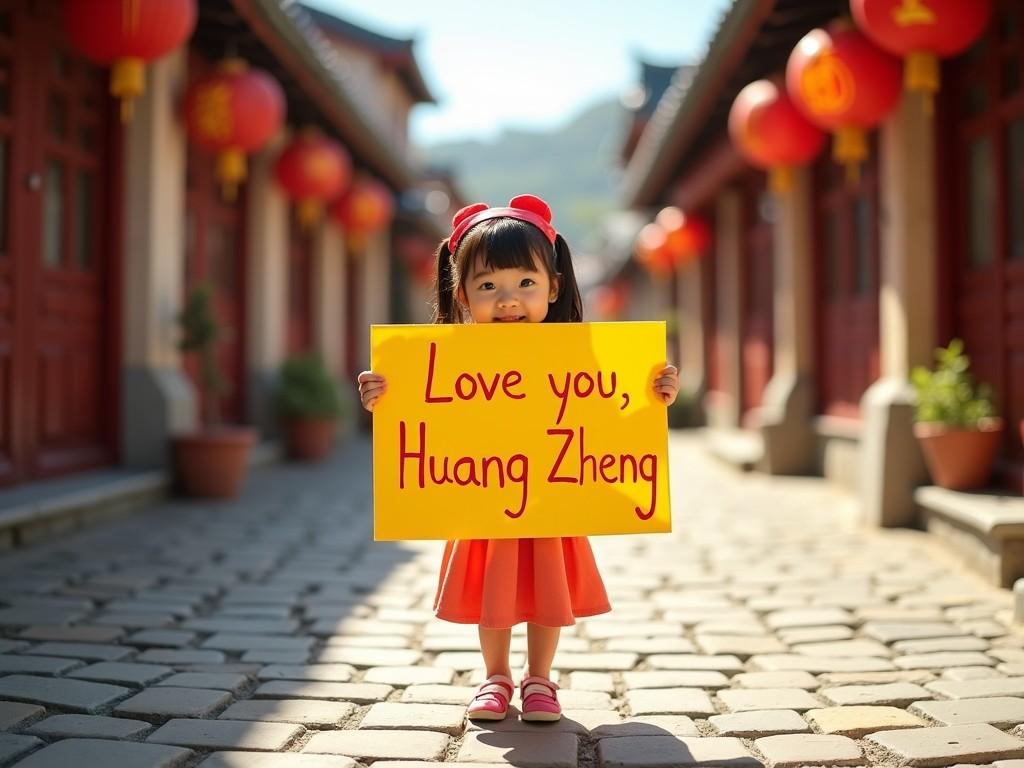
(526, 282)
(486, 286)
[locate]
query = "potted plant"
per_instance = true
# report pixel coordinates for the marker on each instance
(309, 403)
(955, 421)
(211, 462)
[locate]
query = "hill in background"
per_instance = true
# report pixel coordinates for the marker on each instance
(575, 168)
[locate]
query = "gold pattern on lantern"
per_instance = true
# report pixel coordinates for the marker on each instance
(213, 111)
(827, 86)
(131, 15)
(315, 166)
(913, 13)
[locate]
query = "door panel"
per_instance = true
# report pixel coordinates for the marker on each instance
(56, 396)
(758, 281)
(847, 262)
(986, 104)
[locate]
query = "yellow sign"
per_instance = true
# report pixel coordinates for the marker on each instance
(530, 430)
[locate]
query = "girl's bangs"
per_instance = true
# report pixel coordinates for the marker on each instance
(506, 244)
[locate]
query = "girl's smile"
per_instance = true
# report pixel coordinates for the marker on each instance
(512, 295)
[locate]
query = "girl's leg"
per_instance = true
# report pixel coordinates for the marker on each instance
(541, 643)
(494, 645)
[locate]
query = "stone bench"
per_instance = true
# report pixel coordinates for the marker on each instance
(986, 529)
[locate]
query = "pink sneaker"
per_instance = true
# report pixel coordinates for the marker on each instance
(491, 699)
(540, 700)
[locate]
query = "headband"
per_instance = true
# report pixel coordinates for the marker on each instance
(528, 208)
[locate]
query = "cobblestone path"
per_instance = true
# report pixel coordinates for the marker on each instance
(768, 629)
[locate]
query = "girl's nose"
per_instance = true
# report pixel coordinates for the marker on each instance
(506, 298)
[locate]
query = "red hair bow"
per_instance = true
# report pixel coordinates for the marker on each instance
(528, 208)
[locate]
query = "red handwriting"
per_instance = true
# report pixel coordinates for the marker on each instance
(624, 468)
(467, 385)
(464, 470)
(583, 385)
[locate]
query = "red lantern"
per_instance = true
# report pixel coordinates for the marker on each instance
(125, 34)
(418, 254)
(686, 236)
(921, 31)
(771, 133)
(843, 83)
(366, 208)
(652, 250)
(313, 169)
(609, 301)
(231, 112)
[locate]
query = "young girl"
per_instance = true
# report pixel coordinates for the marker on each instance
(504, 265)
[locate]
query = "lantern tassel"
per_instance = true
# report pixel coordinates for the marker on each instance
(780, 179)
(850, 148)
(309, 212)
(921, 74)
(230, 171)
(127, 82)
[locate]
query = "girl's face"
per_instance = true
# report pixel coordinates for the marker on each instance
(513, 295)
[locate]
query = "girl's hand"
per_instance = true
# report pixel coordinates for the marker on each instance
(666, 384)
(371, 387)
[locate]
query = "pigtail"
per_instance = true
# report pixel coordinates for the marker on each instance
(444, 287)
(568, 307)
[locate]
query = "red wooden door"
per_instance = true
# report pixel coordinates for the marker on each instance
(300, 289)
(57, 208)
(987, 99)
(847, 285)
(757, 281)
(215, 253)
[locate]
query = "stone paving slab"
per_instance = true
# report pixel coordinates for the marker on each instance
(794, 750)
(534, 749)
(321, 714)
(670, 701)
(174, 702)
(36, 665)
(855, 722)
(447, 718)
(227, 734)
(409, 745)
(265, 760)
(13, 746)
(15, 714)
(1000, 711)
(757, 723)
(948, 745)
(360, 693)
(90, 726)
(73, 695)
(120, 673)
(669, 751)
(109, 754)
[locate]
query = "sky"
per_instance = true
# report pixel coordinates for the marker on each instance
(532, 63)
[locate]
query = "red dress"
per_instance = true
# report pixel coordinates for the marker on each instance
(500, 582)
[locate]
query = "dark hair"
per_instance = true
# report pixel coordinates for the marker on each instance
(507, 244)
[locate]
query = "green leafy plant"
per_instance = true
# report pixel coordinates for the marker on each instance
(306, 389)
(949, 394)
(201, 333)
(685, 412)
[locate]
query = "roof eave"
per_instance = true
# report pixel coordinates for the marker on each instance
(659, 151)
(278, 32)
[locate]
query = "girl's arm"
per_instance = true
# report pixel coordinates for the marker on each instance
(666, 384)
(371, 387)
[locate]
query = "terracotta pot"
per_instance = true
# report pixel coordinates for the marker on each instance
(960, 459)
(310, 439)
(213, 463)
